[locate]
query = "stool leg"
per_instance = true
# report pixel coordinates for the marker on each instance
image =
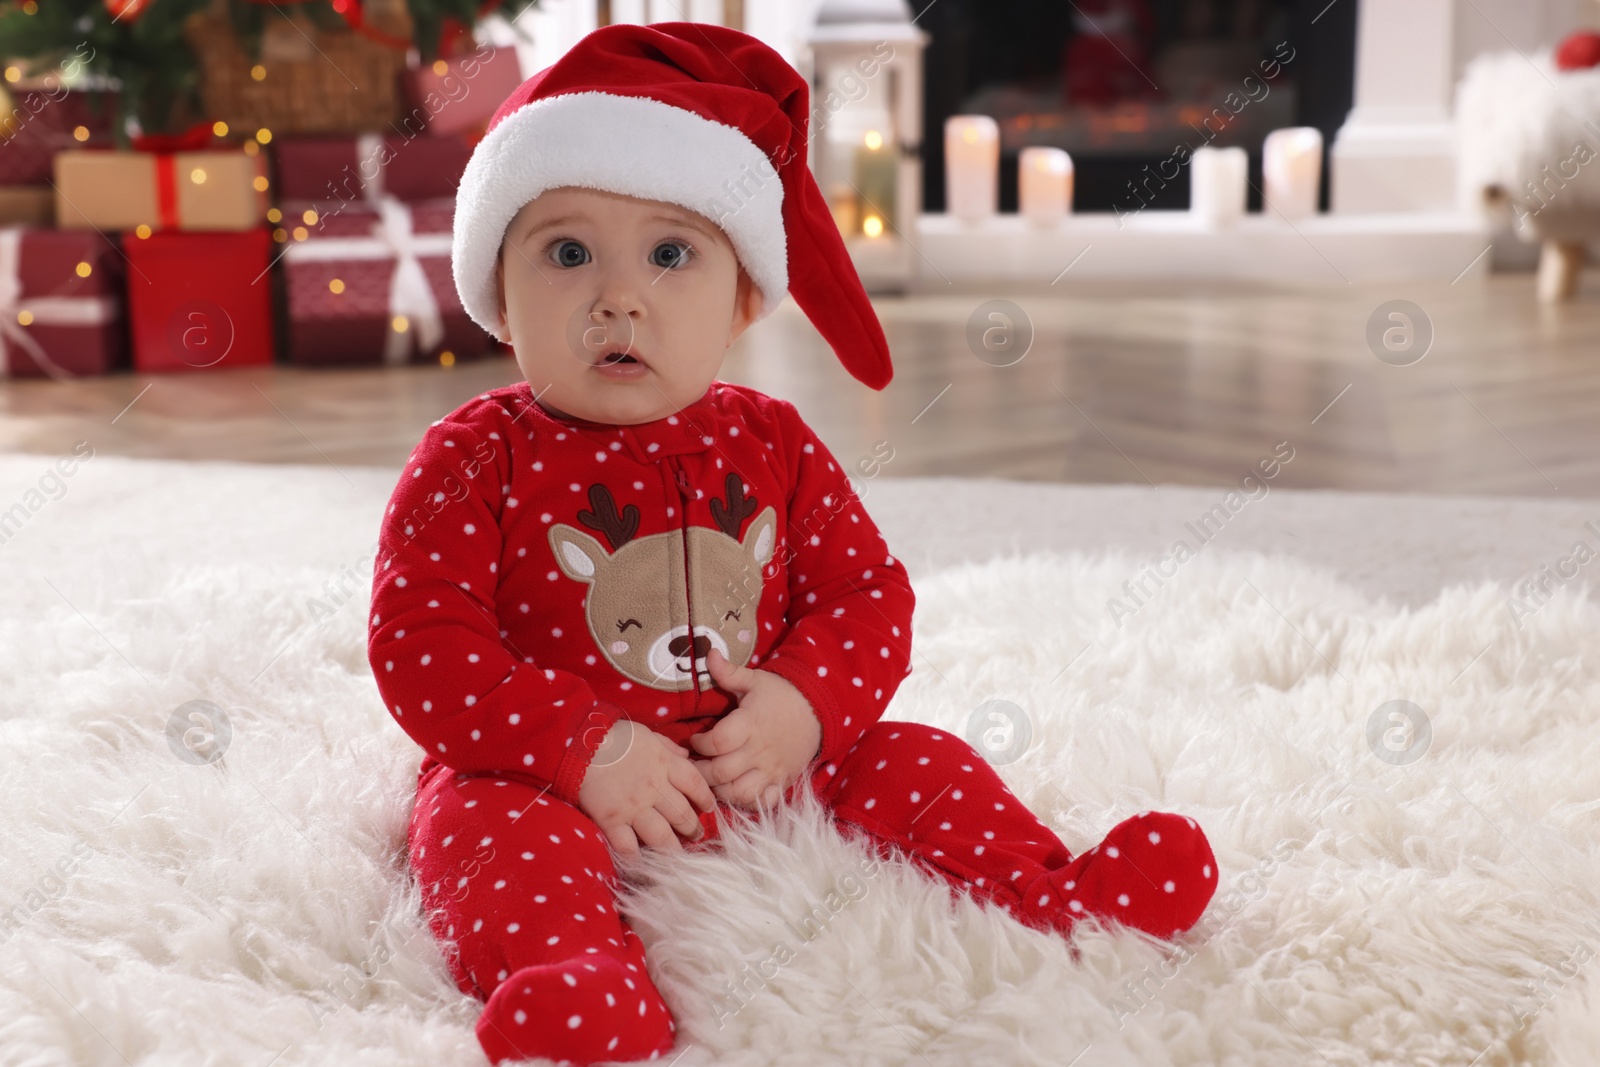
(1559, 263)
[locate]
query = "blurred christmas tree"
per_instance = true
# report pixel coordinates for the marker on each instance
(138, 47)
(135, 46)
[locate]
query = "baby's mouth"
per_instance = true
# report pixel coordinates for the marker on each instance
(618, 356)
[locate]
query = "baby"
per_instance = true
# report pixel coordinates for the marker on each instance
(620, 594)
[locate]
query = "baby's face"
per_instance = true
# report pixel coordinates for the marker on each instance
(584, 274)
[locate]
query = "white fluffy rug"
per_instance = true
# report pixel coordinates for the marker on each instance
(255, 911)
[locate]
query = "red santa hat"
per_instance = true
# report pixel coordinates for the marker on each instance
(697, 115)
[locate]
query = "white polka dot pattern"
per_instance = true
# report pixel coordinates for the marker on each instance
(483, 632)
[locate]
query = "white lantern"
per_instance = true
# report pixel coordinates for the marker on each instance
(1044, 185)
(1291, 171)
(865, 60)
(1218, 178)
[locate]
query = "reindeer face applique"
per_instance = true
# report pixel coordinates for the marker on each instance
(656, 605)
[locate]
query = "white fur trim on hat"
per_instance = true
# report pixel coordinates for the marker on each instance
(631, 145)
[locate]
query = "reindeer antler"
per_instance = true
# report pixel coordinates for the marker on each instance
(619, 529)
(739, 507)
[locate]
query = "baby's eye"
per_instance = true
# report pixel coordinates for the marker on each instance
(565, 251)
(680, 254)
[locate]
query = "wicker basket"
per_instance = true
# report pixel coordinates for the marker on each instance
(316, 81)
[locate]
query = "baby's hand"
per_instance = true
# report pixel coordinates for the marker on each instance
(642, 789)
(761, 746)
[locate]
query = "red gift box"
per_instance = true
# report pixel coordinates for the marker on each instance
(42, 124)
(373, 285)
(370, 166)
(200, 300)
(60, 303)
(461, 94)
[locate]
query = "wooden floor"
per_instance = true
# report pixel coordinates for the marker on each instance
(1174, 385)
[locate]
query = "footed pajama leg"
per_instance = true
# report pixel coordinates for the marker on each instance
(522, 887)
(929, 794)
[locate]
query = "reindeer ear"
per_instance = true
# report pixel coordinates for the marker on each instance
(577, 554)
(761, 537)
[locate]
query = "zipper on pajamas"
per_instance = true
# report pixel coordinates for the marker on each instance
(681, 479)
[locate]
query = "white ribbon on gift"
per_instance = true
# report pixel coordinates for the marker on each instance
(410, 294)
(46, 310)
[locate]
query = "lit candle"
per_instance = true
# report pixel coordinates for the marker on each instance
(875, 174)
(1217, 179)
(1291, 169)
(1044, 185)
(971, 166)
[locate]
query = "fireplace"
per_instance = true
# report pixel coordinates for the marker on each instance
(1119, 83)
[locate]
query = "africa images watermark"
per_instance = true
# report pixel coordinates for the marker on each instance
(353, 978)
(741, 190)
(1529, 596)
(452, 490)
(1538, 992)
(1232, 105)
(49, 886)
(1138, 591)
(832, 504)
(58, 85)
(52, 486)
(753, 977)
(1542, 193)
(748, 587)
(1140, 991)
(410, 126)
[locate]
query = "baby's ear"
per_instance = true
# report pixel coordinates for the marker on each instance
(746, 301)
(500, 286)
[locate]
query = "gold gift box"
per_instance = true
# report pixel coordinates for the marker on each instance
(205, 190)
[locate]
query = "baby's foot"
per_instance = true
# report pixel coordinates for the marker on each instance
(1154, 871)
(582, 1010)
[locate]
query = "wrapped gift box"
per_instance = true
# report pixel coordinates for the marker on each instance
(37, 125)
(60, 304)
(370, 166)
(34, 205)
(202, 190)
(373, 285)
(200, 301)
(461, 94)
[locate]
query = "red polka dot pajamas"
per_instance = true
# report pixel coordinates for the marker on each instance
(539, 578)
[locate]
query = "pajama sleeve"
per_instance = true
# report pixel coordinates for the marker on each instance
(849, 599)
(434, 639)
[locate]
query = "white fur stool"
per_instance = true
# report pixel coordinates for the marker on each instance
(1528, 139)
